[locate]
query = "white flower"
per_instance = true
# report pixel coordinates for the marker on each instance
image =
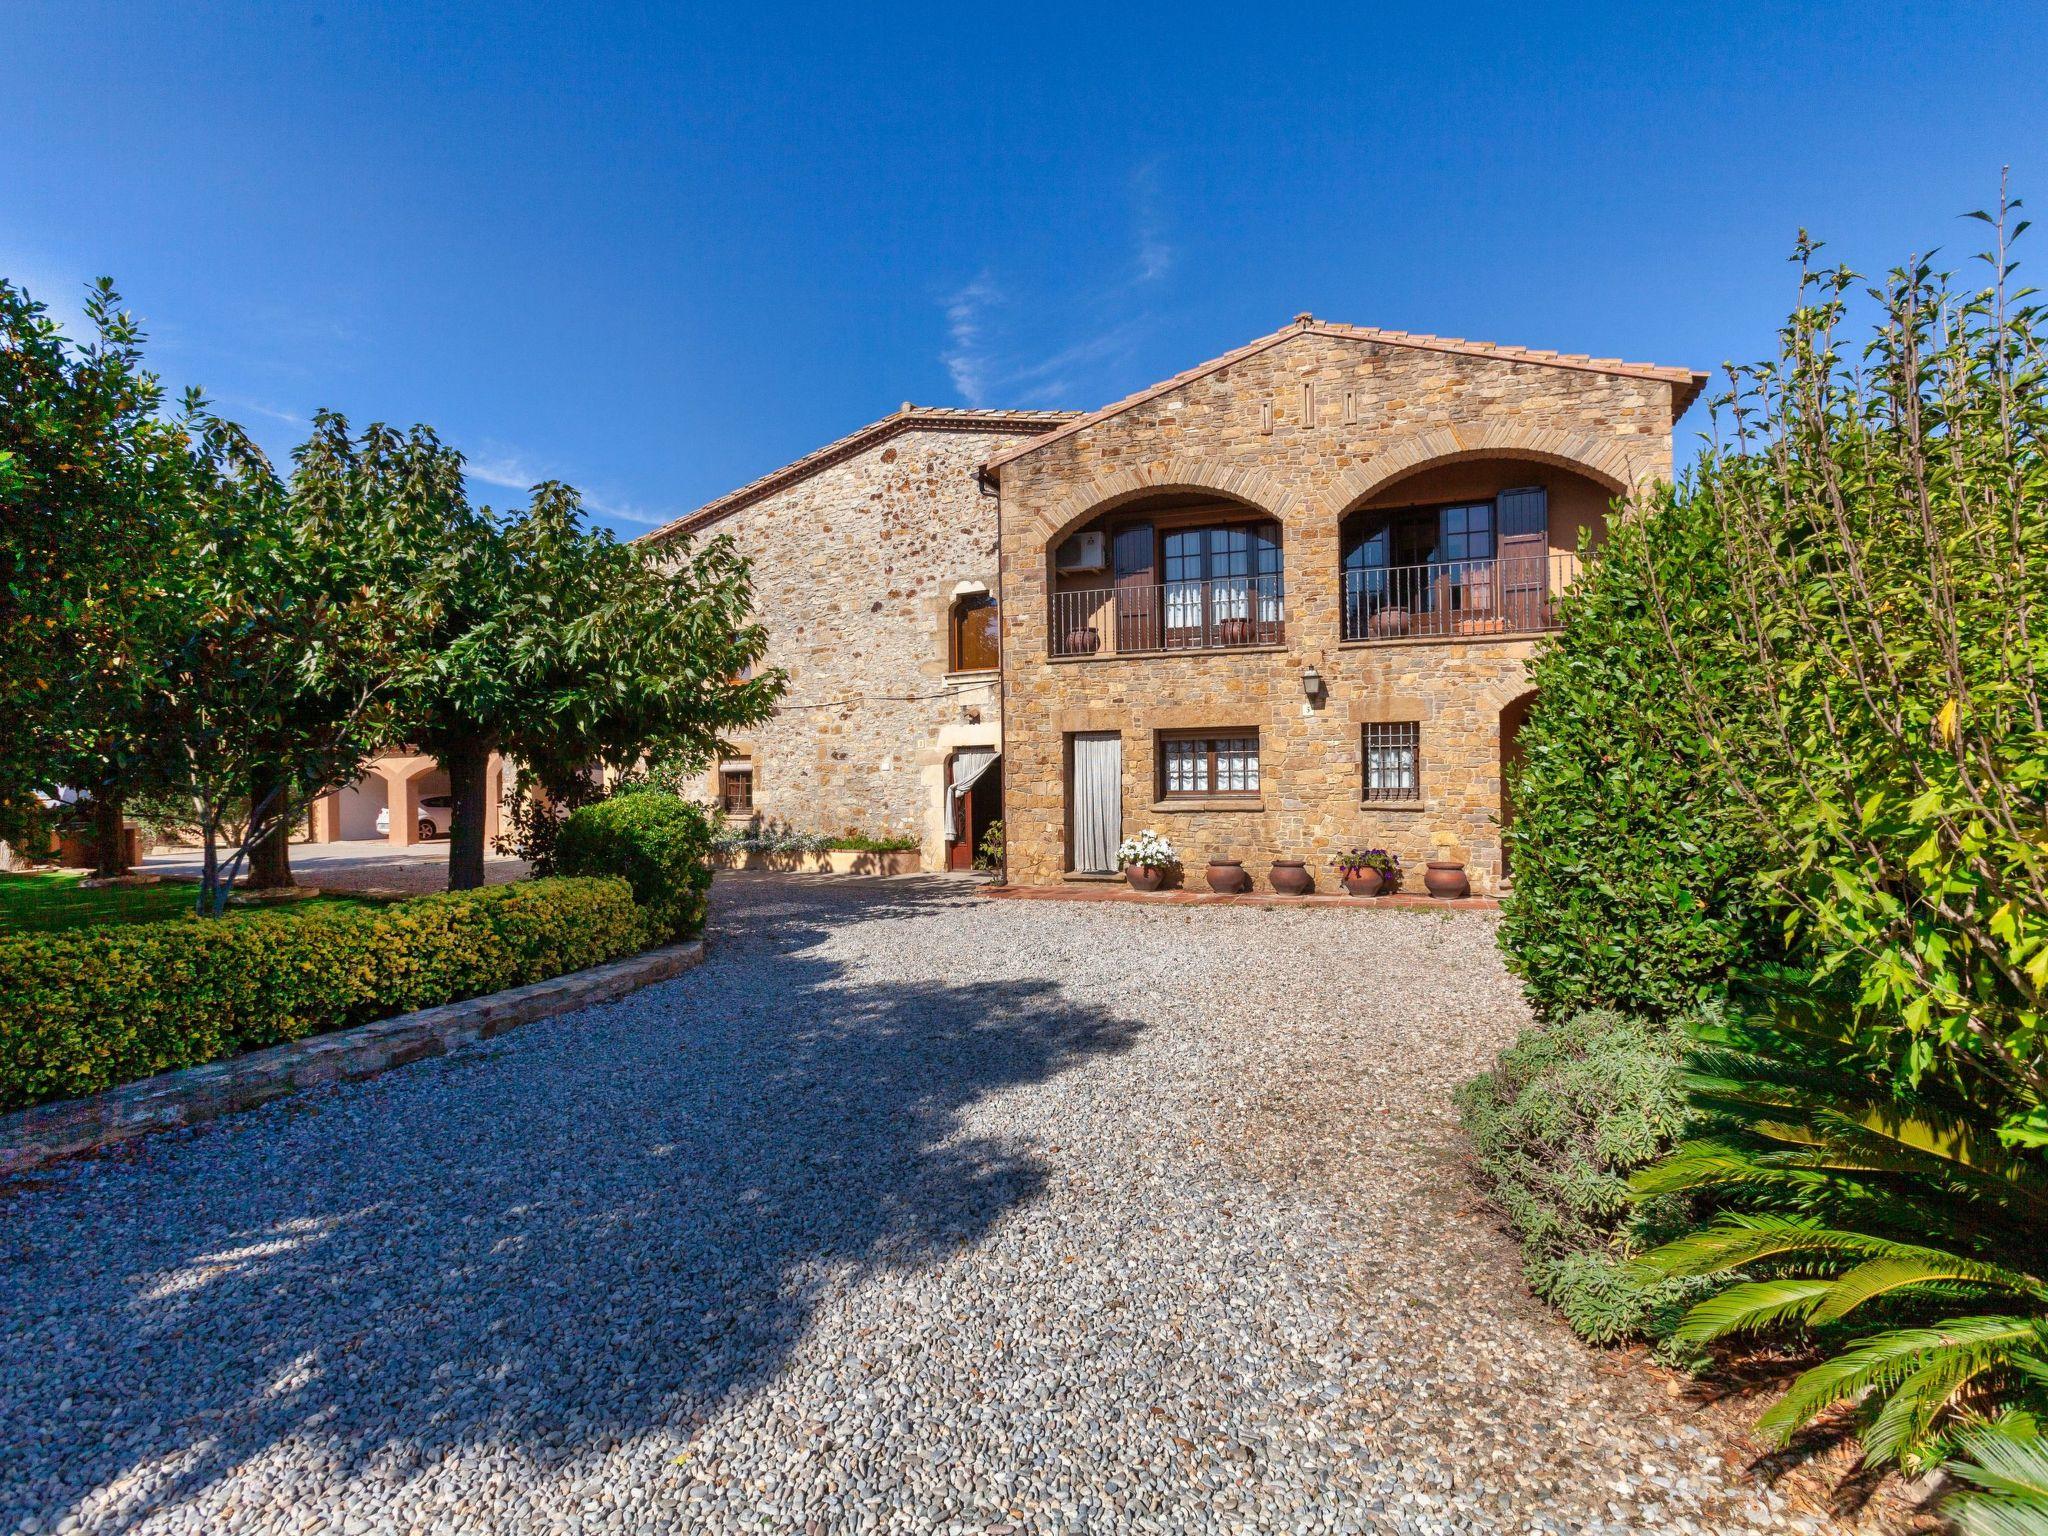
(1148, 850)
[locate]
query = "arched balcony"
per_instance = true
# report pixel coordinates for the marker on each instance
(1467, 550)
(1171, 572)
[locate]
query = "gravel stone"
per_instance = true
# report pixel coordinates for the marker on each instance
(907, 1211)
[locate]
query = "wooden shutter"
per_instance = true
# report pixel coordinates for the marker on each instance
(1134, 558)
(1523, 540)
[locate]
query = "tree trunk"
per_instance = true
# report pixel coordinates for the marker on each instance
(270, 861)
(467, 760)
(109, 853)
(211, 897)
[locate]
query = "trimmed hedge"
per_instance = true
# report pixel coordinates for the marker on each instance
(1569, 1111)
(1636, 868)
(89, 1009)
(656, 841)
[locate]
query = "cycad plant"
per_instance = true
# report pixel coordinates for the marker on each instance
(1886, 1223)
(2004, 1480)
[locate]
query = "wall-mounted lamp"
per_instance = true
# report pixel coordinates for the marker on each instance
(1311, 683)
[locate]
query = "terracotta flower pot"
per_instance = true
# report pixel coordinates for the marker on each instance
(1083, 641)
(1290, 877)
(1143, 877)
(1445, 879)
(1226, 877)
(1234, 632)
(1363, 882)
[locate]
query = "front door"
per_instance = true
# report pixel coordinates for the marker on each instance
(1095, 801)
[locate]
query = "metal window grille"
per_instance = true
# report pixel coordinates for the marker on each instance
(1393, 761)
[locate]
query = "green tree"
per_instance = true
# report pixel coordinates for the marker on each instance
(87, 469)
(279, 667)
(577, 654)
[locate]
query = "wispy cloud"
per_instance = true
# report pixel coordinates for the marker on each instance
(1155, 252)
(232, 404)
(994, 357)
(509, 469)
(967, 359)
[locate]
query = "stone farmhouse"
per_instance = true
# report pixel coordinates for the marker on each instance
(1279, 605)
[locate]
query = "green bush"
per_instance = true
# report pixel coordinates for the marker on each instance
(1568, 1113)
(91, 1008)
(660, 844)
(1636, 872)
(862, 843)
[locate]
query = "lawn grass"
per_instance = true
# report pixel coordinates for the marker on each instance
(48, 902)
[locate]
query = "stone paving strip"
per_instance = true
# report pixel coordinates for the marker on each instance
(906, 1211)
(42, 1133)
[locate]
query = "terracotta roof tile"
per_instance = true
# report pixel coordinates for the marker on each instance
(1687, 382)
(909, 418)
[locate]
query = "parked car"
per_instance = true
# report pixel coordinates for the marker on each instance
(437, 814)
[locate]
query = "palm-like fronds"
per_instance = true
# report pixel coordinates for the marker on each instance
(2007, 1478)
(1844, 1201)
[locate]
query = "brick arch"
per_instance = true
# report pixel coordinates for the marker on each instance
(1597, 458)
(1086, 502)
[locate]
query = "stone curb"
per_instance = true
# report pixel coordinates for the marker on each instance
(172, 1100)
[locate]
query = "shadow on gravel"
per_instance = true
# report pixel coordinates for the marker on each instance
(579, 1236)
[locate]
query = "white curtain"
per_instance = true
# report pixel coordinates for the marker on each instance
(1098, 801)
(969, 764)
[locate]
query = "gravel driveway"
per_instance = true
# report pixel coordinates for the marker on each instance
(907, 1211)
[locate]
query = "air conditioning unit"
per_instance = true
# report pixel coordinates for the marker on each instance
(1082, 552)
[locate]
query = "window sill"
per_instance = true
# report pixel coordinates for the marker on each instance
(975, 675)
(1398, 807)
(1494, 637)
(1174, 655)
(1194, 806)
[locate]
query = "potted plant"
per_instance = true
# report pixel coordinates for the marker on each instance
(1146, 859)
(1290, 877)
(1368, 871)
(1227, 877)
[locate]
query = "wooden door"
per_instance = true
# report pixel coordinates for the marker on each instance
(1524, 558)
(1137, 588)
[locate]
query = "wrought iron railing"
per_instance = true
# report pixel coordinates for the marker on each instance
(1507, 595)
(1223, 614)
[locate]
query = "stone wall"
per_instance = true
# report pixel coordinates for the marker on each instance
(855, 570)
(1306, 430)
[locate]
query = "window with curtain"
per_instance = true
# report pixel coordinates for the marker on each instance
(1214, 575)
(1191, 766)
(974, 643)
(1393, 761)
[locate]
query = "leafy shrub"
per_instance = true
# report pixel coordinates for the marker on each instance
(1634, 860)
(862, 843)
(659, 844)
(1884, 1222)
(1883, 511)
(90, 1008)
(1567, 1114)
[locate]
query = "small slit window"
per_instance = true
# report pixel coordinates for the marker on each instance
(1192, 766)
(1393, 761)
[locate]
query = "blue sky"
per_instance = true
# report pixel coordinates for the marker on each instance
(658, 254)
